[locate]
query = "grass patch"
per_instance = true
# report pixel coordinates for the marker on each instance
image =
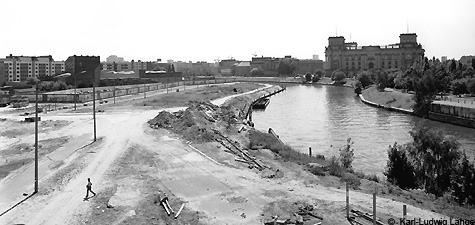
(7, 168)
(402, 100)
(286, 152)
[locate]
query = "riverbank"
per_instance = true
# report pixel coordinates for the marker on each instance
(389, 99)
(133, 165)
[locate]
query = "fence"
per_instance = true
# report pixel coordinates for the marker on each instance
(110, 92)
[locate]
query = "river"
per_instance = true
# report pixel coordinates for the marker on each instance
(324, 117)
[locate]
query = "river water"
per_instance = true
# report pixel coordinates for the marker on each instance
(324, 117)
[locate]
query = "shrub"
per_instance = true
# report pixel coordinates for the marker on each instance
(364, 78)
(372, 177)
(399, 170)
(358, 88)
(360, 174)
(347, 156)
(351, 179)
(334, 168)
(316, 170)
(463, 182)
(338, 75)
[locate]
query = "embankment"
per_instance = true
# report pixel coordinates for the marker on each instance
(389, 99)
(453, 113)
(244, 102)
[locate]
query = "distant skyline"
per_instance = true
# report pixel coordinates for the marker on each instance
(189, 30)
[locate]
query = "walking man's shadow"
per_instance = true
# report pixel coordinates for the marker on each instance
(89, 189)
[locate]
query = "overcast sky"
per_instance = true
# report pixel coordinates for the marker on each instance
(205, 30)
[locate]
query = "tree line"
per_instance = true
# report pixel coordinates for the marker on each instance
(434, 163)
(425, 79)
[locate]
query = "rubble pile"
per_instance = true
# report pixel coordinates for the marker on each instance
(195, 123)
(291, 213)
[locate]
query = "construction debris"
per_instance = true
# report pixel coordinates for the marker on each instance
(179, 211)
(165, 204)
(233, 147)
(303, 215)
(364, 215)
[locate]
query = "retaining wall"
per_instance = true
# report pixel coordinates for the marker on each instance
(453, 114)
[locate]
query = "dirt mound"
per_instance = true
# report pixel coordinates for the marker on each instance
(195, 123)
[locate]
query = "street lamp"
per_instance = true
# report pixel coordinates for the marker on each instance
(36, 82)
(94, 102)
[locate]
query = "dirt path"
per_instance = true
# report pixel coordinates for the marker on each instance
(223, 194)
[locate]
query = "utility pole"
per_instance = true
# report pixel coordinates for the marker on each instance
(94, 102)
(36, 139)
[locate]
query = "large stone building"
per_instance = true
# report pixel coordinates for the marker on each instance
(77, 64)
(20, 68)
(350, 57)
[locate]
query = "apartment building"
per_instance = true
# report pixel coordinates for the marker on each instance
(20, 68)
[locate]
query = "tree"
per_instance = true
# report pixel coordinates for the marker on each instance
(320, 73)
(32, 81)
(453, 66)
(425, 92)
(460, 67)
(308, 77)
(257, 72)
(358, 88)
(382, 80)
(434, 158)
(347, 156)
(399, 170)
(473, 62)
(459, 86)
(471, 86)
(338, 75)
(364, 78)
(286, 66)
(463, 182)
(316, 78)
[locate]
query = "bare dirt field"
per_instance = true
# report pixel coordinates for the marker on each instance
(133, 165)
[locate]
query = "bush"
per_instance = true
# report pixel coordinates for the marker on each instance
(372, 177)
(352, 180)
(316, 170)
(364, 78)
(360, 174)
(338, 75)
(463, 182)
(334, 168)
(358, 88)
(399, 171)
(347, 156)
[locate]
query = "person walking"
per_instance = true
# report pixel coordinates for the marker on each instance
(89, 189)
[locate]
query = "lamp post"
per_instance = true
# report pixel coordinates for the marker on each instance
(94, 102)
(36, 128)
(36, 138)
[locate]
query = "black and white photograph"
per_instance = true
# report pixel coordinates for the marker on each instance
(216, 112)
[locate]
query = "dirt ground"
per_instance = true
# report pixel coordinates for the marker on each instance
(132, 165)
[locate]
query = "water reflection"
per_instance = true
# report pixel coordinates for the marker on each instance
(323, 117)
